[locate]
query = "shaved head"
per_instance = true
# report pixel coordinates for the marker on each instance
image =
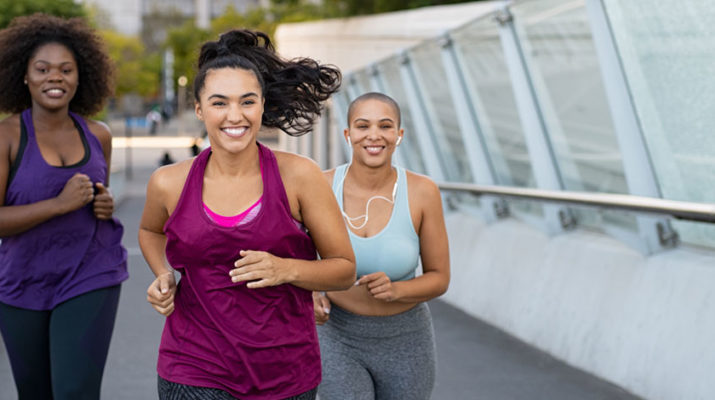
(375, 96)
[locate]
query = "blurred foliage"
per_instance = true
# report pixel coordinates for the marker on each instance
(137, 71)
(10, 9)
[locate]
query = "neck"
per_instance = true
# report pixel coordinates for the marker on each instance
(371, 178)
(43, 118)
(234, 165)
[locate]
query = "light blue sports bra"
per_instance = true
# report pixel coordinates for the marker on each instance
(396, 248)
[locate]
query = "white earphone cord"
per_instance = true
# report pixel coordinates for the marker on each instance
(349, 220)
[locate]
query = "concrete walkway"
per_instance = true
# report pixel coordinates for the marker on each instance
(475, 361)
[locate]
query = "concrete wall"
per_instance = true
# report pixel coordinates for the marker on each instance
(644, 323)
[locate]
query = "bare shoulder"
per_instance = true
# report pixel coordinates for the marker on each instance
(170, 178)
(296, 168)
(99, 129)
(10, 129)
(422, 185)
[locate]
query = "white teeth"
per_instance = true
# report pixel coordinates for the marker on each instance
(55, 92)
(373, 149)
(234, 131)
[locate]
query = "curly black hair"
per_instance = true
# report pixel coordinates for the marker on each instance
(21, 39)
(294, 90)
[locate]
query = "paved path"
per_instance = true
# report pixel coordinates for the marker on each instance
(475, 361)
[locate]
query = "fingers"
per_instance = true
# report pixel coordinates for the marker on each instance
(160, 293)
(101, 189)
(259, 269)
(321, 307)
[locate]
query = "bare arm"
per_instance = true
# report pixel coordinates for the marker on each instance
(14, 220)
(316, 206)
(103, 199)
(434, 251)
(152, 239)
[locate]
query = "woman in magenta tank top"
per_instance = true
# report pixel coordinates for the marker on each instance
(244, 226)
(61, 258)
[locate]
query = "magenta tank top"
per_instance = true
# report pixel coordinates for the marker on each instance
(252, 343)
(65, 256)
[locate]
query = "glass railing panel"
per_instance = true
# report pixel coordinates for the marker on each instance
(409, 149)
(487, 77)
(559, 50)
(427, 61)
(362, 78)
(668, 54)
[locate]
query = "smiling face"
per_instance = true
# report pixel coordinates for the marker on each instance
(52, 76)
(231, 106)
(373, 132)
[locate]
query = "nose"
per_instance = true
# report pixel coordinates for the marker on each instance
(235, 113)
(56, 76)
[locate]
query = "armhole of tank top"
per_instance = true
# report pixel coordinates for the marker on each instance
(85, 143)
(20, 152)
(184, 195)
(408, 210)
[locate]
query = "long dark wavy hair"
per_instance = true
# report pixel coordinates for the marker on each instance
(294, 90)
(20, 41)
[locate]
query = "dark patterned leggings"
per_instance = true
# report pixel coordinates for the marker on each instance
(176, 391)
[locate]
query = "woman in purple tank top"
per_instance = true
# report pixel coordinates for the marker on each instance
(244, 226)
(61, 258)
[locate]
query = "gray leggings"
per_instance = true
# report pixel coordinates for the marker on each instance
(383, 358)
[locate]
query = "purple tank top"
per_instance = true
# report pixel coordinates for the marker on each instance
(65, 256)
(252, 343)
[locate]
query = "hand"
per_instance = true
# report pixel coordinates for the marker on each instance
(103, 202)
(261, 269)
(161, 293)
(78, 191)
(321, 307)
(379, 285)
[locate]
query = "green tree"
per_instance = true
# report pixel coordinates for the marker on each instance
(137, 72)
(256, 19)
(185, 42)
(10, 9)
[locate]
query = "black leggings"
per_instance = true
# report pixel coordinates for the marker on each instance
(60, 354)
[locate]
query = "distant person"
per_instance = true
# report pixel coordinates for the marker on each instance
(153, 118)
(376, 338)
(61, 260)
(243, 225)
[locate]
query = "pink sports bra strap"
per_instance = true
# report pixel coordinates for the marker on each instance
(234, 219)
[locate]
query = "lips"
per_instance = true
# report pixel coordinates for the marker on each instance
(374, 150)
(235, 132)
(55, 93)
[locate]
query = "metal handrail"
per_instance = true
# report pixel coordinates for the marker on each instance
(701, 212)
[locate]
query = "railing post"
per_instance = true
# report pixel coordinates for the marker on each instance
(463, 97)
(421, 119)
(336, 143)
(543, 162)
(656, 232)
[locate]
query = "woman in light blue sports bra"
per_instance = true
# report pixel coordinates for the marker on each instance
(376, 338)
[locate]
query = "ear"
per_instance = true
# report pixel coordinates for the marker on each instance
(400, 135)
(197, 110)
(346, 134)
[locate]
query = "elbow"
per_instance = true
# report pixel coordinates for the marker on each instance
(349, 276)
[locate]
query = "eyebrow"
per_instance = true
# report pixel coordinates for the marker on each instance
(365, 120)
(243, 96)
(47, 62)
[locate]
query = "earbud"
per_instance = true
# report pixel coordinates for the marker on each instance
(350, 142)
(399, 139)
